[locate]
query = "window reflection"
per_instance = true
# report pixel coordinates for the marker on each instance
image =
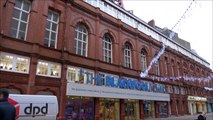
(22, 64)
(12, 62)
(79, 108)
(131, 108)
(109, 109)
(78, 75)
(6, 62)
(48, 69)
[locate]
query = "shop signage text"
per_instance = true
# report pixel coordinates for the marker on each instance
(111, 81)
(76, 89)
(195, 98)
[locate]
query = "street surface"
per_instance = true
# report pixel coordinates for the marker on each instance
(209, 116)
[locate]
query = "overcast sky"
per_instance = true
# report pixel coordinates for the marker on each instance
(195, 27)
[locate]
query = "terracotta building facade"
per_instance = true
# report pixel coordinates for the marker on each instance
(91, 59)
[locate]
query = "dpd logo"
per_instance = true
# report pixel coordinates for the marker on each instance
(36, 110)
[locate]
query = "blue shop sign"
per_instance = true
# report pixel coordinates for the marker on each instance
(125, 83)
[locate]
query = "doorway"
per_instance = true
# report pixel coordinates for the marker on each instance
(149, 109)
(109, 109)
(131, 108)
(79, 108)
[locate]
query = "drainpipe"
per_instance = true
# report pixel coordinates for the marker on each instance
(64, 68)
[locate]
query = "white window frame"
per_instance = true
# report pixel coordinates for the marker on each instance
(77, 69)
(76, 74)
(14, 61)
(19, 20)
(127, 56)
(182, 91)
(50, 29)
(143, 60)
(106, 49)
(81, 40)
(177, 90)
(48, 69)
(170, 89)
(157, 68)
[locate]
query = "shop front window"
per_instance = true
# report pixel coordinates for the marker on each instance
(131, 108)
(149, 109)
(79, 108)
(109, 109)
(163, 109)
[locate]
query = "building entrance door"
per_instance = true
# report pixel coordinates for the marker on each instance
(131, 108)
(149, 110)
(79, 108)
(109, 109)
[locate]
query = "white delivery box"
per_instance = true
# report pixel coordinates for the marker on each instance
(35, 107)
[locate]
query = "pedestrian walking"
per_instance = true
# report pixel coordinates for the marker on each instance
(7, 111)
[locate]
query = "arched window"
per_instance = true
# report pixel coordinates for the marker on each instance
(173, 68)
(143, 60)
(157, 68)
(178, 68)
(107, 48)
(166, 66)
(81, 40)
(127, 56)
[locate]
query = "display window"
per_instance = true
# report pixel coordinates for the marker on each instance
(149, 109)
(109, 109)
(163, 109)
(131, 108)
(79, 108)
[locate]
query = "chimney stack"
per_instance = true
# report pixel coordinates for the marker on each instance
(151, 23)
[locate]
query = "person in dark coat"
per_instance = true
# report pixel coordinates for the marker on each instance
(7, 111)
(201, 117)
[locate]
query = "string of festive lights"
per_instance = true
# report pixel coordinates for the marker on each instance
(184, 14)
(207, 80)
(162, 50)
(187, 78)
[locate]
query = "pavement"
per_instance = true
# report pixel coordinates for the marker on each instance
(209, 116)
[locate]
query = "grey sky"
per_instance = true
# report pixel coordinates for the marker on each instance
(195, 27)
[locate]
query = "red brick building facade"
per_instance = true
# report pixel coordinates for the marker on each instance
(31, 37)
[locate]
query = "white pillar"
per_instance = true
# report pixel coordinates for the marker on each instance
(192, 107)
(200, 107)
(195, 108)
